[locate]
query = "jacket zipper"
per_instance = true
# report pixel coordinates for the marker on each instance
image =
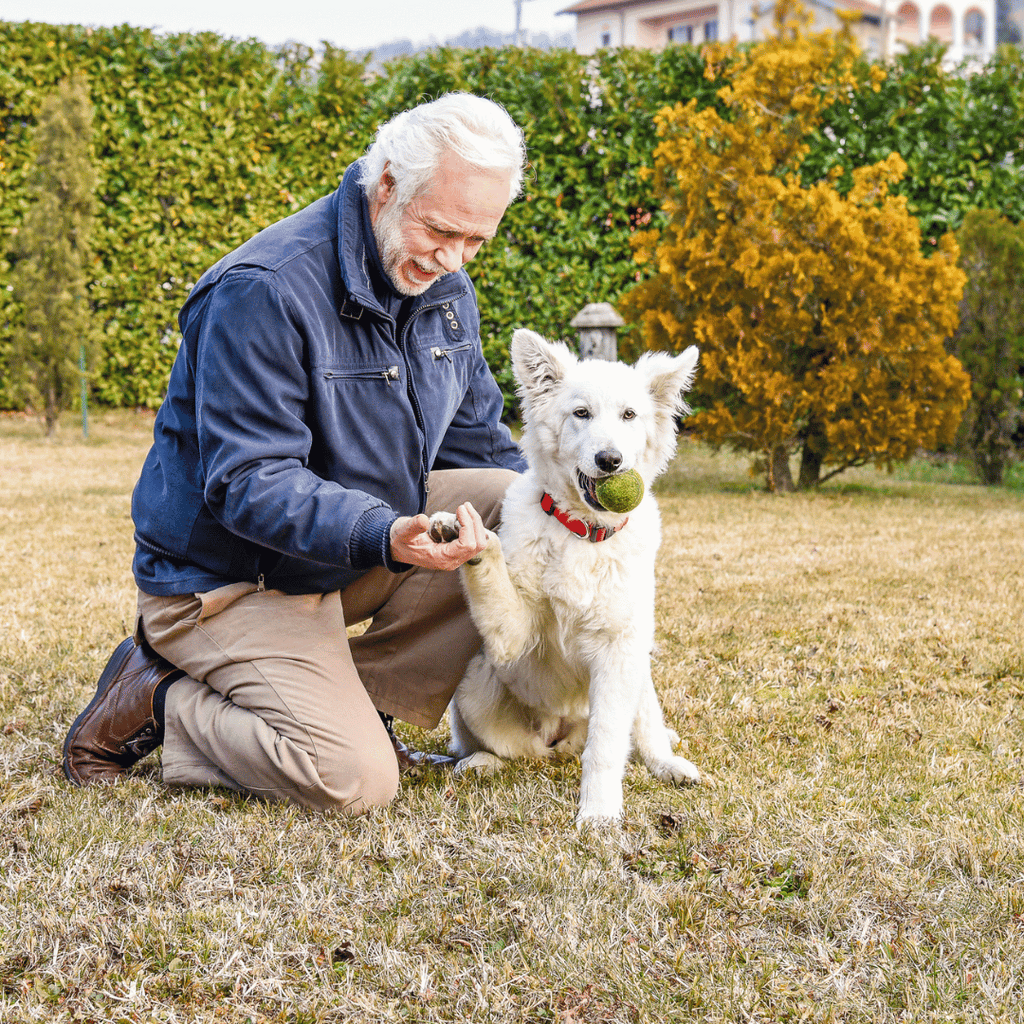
(410, 387)
(446, 353)
(415, 402)
(387, 374)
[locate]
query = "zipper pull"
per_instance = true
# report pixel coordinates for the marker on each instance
(441, 353)
(259, 584)
(390, 374)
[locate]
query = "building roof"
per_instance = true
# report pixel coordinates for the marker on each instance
(583, 6)
(596, 5)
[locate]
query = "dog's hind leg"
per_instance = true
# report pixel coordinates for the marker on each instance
(485, 715)
(483, 762)
(467, 748)
(463, 742)
(653, 741)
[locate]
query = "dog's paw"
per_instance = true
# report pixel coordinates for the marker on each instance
(676, 771)
(444, 527)
(599, 817)
(481, 763)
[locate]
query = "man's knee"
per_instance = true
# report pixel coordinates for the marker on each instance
(497, 482)
(485, 488)
(366, 778)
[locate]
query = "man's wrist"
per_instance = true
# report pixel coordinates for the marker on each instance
(370, 544)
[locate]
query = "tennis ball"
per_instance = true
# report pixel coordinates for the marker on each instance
(620, 493)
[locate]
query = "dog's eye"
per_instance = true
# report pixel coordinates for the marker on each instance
(629, 414)
(582, 413)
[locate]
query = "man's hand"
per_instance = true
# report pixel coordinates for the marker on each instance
(411, 543)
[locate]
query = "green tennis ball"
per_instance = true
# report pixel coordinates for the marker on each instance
(620, 493)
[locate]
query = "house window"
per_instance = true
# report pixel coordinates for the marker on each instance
(710, 31)
(606, 39)
(974, 27)
(680, 34)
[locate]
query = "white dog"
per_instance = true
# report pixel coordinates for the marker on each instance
(564, 596)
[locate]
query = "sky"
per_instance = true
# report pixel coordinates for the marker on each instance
(350, 24)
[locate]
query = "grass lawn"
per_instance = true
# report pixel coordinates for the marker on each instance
(846, 667)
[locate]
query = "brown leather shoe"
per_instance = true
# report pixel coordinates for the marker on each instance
(118, 726)
(410, 760)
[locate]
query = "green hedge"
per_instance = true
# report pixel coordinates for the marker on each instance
(201, 141)
(961, 134)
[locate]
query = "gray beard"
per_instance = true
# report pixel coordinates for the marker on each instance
(393, 253)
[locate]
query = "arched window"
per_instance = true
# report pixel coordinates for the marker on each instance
(908, 24)
(974, 29)
(940, 24)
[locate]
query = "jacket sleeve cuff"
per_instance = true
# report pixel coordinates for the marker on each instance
(370, 544)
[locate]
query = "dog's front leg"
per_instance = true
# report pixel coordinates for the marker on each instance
(504, 611)
(654, 740)
(613, 707)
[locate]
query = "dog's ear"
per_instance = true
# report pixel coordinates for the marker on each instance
(668, 377)
(538, 364)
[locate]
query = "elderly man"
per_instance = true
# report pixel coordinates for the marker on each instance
(330, 389)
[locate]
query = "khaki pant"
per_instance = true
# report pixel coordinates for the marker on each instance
(279, 703)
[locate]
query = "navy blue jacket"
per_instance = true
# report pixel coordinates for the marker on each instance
(306, 405)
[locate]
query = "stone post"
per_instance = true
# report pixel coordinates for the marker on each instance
(596, 324)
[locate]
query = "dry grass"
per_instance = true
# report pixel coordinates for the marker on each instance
(846, 667)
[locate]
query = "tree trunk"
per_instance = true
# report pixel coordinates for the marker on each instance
(811, 459)
(991, 443)
(780, 478)
(812, 454)
(52, 412)
(991, 467)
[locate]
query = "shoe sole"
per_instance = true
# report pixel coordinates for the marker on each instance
(121, 654)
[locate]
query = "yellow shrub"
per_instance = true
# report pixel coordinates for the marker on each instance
(821, 324)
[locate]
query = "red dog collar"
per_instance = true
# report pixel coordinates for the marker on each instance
(588, 531)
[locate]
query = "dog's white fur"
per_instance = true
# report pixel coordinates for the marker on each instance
(568, 625)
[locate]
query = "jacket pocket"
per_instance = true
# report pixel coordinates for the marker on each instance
(215, 601)
(388, 374)
(448, 352)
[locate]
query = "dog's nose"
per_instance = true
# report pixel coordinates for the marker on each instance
(608, 460)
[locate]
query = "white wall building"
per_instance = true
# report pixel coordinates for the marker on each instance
(967, 26)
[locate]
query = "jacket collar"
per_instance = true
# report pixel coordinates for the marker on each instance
(360, 264)
(580, 527)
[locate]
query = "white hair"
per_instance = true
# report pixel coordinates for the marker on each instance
(412, 143)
